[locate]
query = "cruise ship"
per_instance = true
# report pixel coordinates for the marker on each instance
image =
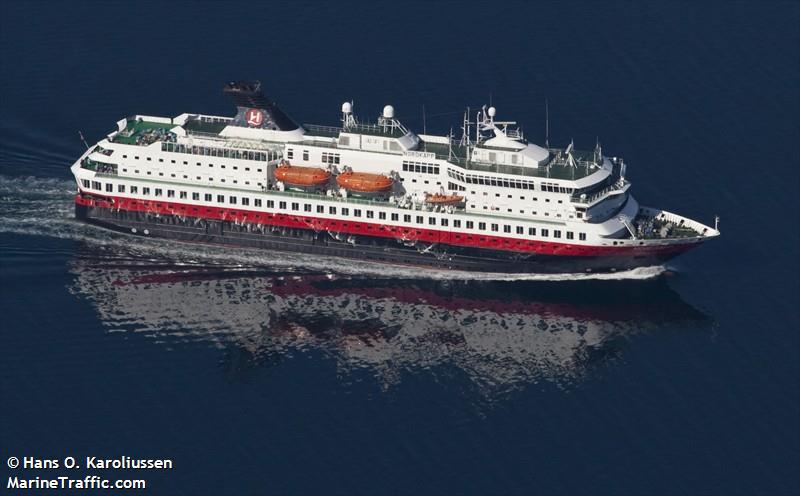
(485, 201)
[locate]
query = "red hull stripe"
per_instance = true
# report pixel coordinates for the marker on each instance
(375, 229)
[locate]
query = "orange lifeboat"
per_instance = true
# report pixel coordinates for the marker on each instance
(304, 177)
(362, 182)
(442, 199)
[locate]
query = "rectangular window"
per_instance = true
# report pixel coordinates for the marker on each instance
(582, 236)
(145, 190)
(406, 218)
(120, 188)
(245, 201)
(470, 224)
(220, 198)
(457, 223)
(320, 209)
(420, 219)
(531, 231)
(207, 197)
(506, 229)
(495, 227)
(395, 217)
(257, 202)
(545, 233)
(183, 195)
(370, 214)
(134, 189)
(357, 212)
(570, 235)
(232, 200)
(305, 155)
(332, 210)
(444, 222)
(345, 211)
(295, 206)
(307, 207)
(195, 196)
(382, 215)
(481, 226)
(159, 192)
(556, 233)
(282, 205)
(170, 193)
(109, 187)
(85, 183)
(519, 230)
(289, 153)
(432, 221)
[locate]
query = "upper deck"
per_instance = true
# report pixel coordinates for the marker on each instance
(141, 132)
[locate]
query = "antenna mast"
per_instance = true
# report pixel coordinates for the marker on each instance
(546, 124)
(465, 129)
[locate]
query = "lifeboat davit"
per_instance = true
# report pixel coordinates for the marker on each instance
(362, 182)
(305, 177)
(443, 200)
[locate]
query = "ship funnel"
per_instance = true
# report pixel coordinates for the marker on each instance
(255, 110)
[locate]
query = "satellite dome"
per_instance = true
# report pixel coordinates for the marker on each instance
(388, 112)
(492, 111)
(347, 107)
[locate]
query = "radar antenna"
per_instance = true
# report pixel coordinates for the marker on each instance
(348, 118)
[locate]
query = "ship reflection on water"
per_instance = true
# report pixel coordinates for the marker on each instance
(502, 335)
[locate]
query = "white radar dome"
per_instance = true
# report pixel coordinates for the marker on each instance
(388, 112)
(347, 107)
(492, 111)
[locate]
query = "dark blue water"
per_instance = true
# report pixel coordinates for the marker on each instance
(261, 373)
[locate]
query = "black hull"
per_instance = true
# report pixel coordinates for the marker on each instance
(356, 247)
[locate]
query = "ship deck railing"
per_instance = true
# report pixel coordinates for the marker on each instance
(99, 167)
(589, 199)
(143, 133)
(655, 228)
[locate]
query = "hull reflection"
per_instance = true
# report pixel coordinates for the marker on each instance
(500, 334)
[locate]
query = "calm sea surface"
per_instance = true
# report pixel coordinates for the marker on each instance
(268, 373)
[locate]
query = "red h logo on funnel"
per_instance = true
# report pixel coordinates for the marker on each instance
(254, 117)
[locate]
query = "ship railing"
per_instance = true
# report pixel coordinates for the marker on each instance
(98, 167)
(220, 152)
(616, 186)
(326, 131)
(203, 134)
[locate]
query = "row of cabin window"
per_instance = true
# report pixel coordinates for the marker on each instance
(455, 187)
(198, 164)
(327, 157)
(497, 195)
(330, 158)
(554, 188)
(332, 210)
(420, 167)
(215, 152)
(488, 181)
